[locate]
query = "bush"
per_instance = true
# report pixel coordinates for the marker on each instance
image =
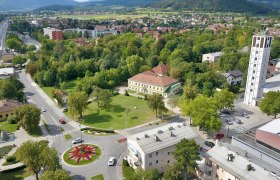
(11, 158)
(11, 120)
(115, 93)
(15, 169)
(126, 93)
(145, 97)
(5, 150)
(98, 130)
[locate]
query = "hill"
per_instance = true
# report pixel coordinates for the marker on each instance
(274, 3)
(32, 4)
(213, 6)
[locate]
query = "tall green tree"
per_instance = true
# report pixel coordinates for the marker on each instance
(186, 155)
(171, 172)
(103, 97)
(77, 103)
(58, 174)
(271, 104)
(134, 64)
(224, 99)
(155, 102)
(28, 116)
(38, 156)
(19, 60)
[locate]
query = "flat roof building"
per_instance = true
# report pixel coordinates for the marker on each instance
(7, 72)
(211, 57)
(153, 148)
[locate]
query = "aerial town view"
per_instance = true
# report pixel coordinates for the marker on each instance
(140, 89)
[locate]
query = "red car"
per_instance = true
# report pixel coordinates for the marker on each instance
(219, 136)
(62, 121)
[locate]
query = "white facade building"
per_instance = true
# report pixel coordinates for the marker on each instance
(257, 70)
(234, 77)
(211, 57)
(153, 148)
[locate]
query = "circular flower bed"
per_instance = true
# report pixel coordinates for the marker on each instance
(82, 154)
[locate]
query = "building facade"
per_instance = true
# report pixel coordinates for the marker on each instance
(7, 72)
(154, 81)
(257, 70)
(7, 107)
(53, 33)
(153, 148)
(211, 57)
(234, 77)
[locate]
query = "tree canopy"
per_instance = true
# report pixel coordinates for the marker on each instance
(271, 104)
(155, 102)
(77, 103)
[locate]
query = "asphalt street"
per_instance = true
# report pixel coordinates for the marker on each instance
(108, 144)
(3, 31)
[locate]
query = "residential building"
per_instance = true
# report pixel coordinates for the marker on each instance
(7, 107)
(211, 57)
(234, 77)
(53, 33)
(221, 163)
(7, 72)
(271, 84)
(77, 30)
(153, 148)
(154, 81)
(257, 70)
(6, 58)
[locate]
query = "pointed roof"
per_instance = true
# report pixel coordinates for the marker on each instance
(9, 105)
(161, 69)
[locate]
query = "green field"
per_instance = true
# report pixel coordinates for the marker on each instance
(124, 112)
(5, 125)
(70, 86)
(17, 174)
(98, 177)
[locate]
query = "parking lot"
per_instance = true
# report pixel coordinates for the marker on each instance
(254, 118)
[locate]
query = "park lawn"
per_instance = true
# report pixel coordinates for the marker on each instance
(98, 177)
(71, 85)
(120, 115)
(5, 125)
(17, 174)
(68, 136)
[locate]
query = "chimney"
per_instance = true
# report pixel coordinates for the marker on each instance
(156, 138)
(171, 134)
(146, 135)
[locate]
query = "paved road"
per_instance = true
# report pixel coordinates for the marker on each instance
(108, 144)
(3, 31)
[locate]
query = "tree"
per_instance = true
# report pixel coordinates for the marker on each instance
(77, 103)
(19, 60)
(37, 155)
(271, 104)
(55, 175)
(171, 173)
(155, 102)
(150, 174)
(28, 116)
(224, 99)
(105, 97)
(134, 64)
(186, 155)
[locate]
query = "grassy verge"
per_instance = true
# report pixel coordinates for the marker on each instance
(16, 175)
(83, 161)
(5, 125)
(5, 150)
(98, 177)
(68, 136)
(124, 112)
(128, 172)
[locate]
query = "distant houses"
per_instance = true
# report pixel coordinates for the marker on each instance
(154, 81)
(7, 72)
(53, 33)
(234, 77)
(7, 107)
(211, 57)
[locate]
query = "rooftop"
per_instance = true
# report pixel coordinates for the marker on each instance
(272, 84)
(214, 54)
(238, 166)
(234, 73)
(162, 137)
(7, 71)
(156, 76)
(9, 105)
(271, 127)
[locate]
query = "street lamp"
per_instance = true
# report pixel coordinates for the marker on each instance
(81, 131)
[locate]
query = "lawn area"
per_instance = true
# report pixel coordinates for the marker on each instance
(70, 86)
(68, 136)
(98, 177)
(17, 174)
(5, 125)
(121, 113)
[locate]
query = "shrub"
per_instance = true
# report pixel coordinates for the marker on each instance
(98, 130)
(126, 93)
(145, 97)
(11, 120)
(11, 158)
(5, 150)
(115, 93)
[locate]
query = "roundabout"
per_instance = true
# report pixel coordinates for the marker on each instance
(81, 154)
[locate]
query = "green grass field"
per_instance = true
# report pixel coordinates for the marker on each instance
(98, 177)
(5, 125)
(70, 86)
(120, 115)
(17, 174)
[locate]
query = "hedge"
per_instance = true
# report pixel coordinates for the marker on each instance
(14, 169)
(98, 130)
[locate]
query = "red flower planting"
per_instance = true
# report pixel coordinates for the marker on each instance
(83, 151)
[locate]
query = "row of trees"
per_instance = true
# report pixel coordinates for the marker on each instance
(11, 88)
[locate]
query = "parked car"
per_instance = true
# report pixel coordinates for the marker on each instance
(65, 109)
(245, 115)
(43, 109)
(225, 111)
(229, 122)
(219, 136)
(238, 121)
(209, 144)
(76, 141)
(62, 121)
(111, 161)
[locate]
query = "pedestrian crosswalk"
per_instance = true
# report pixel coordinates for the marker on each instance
(62, 133)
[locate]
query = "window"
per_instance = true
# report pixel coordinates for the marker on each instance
(252, 84)
(157, 161)
(156, 153)
(255, 65)
(150, 163)
(254, 71)
(257, 52)
(251, 90)
(7, 115)
(253, 77)
(256, 58)
(168, 153)
(150, 155)
(168, 161)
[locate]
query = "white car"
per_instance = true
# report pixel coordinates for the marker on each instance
(43, 109)
(111, 161)
(76, 141)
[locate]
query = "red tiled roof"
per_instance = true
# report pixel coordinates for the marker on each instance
(156, 76)
(9, 105)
